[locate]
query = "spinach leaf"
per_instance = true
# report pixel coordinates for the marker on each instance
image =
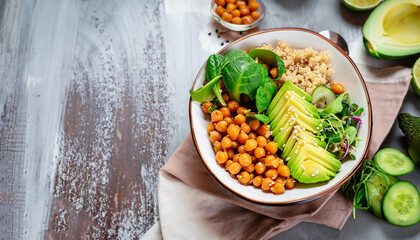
(264, 95)
(214, 66)
(270, 58)
(232, 55)
(351, 133)
(243, 75)
(263, 118)
(205, 93)
(335, 106)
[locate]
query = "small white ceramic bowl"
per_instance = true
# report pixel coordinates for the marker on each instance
(345, 72)
(237, 27)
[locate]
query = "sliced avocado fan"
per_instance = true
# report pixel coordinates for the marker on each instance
(294, 123)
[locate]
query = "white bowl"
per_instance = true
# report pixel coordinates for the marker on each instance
(345, 72)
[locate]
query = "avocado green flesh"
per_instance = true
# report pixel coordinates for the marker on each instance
(299, 133)
(294, 123)
(286, 87)
(393, 29)
(291, 98)
(316, 154)
(310, 172)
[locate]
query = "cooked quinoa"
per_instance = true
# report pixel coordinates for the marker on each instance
(306, 68)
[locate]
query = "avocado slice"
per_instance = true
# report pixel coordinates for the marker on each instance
(299, 133)
(393, 29)
(291, 98)
(294, 117)
(311, 172)
(316, 154)
(287, 86)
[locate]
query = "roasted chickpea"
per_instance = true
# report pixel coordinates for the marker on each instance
(217, 146)
(290, 183)
(252, 135)
(271, 147)
(253, 5)
(245, 127)
(261, 141)
(278, 188)
(226, 142)
(250, 168)
(259, 168)
(241, 149)
(257, 180)
(244, 177)
(221, 126)
(230, 7)
(227, 164)
(235, 168)
(266, 184)
(274, 72)
(226, 16)
(233, 131)
(239, 119)
(221, 157)
(235, 144)
(216, 116)
(229, 120)
(283, 171)
(250, 145)
(236, 20)
(220, 10)
(264, 130)
(245, 160)
(230, 153)
(272, 173)
(220, 2)
(246, 20)
(240, 4)
(205, 106)
(236, 14)
(236, 157)
(255, 15)
(215, 136)
(233, 105)
(241, 110)
(226, 97)
(242, 137)
(210, 127)
(259, 152)
(254, 124)
(244, 11)
(225, 111)
(269, 160)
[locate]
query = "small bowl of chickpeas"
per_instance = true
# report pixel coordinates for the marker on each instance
(238, 15)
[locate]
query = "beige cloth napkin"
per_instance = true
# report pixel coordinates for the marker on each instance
(193, 205)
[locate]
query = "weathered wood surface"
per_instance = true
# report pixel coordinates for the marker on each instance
(93, 101)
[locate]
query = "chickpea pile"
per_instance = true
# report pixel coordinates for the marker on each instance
(245, 150)
(238, 12)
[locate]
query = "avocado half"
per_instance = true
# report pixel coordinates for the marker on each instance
(393, 29)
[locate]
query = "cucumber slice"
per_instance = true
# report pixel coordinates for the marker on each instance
(401, 204)
(322, 96)
(375, 190)
(393, 162)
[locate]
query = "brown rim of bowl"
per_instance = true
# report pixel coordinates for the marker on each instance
(327, 191)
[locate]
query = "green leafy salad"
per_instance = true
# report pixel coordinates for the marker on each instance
(314, 133)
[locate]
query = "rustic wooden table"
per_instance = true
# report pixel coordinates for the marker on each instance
(93, 101)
